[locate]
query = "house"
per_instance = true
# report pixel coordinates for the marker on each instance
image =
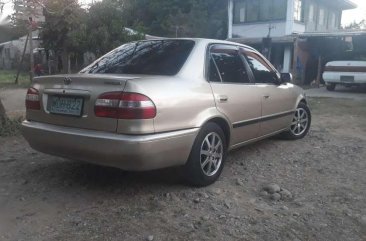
(275, 26)
(11, 51)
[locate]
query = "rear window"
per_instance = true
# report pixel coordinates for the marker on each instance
(156, 57)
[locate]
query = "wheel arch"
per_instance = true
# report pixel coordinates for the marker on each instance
(223, 124)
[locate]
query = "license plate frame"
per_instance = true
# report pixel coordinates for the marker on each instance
(347, 79)
(52, 100)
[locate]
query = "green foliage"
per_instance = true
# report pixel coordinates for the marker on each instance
(7, 78)
(191, 18)
(64, 29)
(10, 127)
(72, 29)
(105, 27)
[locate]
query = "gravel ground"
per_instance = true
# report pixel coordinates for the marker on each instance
(49, 198)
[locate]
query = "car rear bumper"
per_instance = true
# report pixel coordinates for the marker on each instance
(128, 152)
(335, 78)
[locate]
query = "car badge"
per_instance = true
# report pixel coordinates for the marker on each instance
(67, 81)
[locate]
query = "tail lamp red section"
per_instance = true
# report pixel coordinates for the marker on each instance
(32, 100)
(121, 105)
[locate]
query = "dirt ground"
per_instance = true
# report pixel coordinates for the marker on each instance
(48, 198)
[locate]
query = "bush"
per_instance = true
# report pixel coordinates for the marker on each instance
(10, 127)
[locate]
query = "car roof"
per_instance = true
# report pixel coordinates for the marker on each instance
(205, 40)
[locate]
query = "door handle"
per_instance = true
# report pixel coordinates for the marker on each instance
(223, 98)
(266, 96)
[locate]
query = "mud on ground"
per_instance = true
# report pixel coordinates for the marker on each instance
(49, 198)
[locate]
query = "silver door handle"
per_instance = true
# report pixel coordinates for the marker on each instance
(223, 98)
(266, 96)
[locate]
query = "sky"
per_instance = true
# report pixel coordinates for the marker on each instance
(349, 16)
(356, 14)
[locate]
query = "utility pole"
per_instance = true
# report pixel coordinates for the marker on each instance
(270, 27)
(31, 12)
(22, 59)
(176, 31)
(268, 42)
(31, 73)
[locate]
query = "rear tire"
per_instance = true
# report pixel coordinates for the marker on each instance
(331, 87)
(207, 157)
(300, 124)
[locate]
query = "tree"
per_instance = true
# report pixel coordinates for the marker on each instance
(190, 18)
(105, 27)
(64, 31)
(356, 25)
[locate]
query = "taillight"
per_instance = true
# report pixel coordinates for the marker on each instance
(120, 105)
(32, 101)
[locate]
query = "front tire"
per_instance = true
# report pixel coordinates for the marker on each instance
(300, 124)
(207, 157)
(331, 87)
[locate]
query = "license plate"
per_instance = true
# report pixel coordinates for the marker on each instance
(347, 78)
(65, 105)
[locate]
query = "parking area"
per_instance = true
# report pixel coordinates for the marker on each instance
(49, 198)
(341, 92)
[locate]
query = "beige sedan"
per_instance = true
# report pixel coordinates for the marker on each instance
(161, 103)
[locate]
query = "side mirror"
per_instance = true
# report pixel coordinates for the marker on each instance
(286, 78)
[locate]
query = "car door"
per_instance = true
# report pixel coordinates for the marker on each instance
(277, 99)
(234, 91)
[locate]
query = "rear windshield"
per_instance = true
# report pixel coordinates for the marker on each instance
(156, 57)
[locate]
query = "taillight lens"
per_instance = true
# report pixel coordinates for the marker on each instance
(128, 106)
(32, 101)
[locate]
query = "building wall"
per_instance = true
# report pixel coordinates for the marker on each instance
(317, 16)
(11, 52)
(259, 30)
(321, 17)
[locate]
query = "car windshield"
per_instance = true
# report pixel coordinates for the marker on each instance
(155, 57)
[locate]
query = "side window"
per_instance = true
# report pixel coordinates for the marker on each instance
(213, 72)
(262, 72)
(226, 60)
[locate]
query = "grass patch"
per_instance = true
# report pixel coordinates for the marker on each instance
(7, 78)
(10, 127)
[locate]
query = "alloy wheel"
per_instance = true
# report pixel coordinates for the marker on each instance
(300, 122)
(211, 154)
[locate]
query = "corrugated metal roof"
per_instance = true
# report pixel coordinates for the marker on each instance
(284, 40)
(334, 34)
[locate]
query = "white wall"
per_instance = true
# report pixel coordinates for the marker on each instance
(259, 30)
(298, 27)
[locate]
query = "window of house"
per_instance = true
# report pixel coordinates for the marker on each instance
(7, 53)
(252, 10)
(259, 10)
(298, 11)
(239, 11)
(311, 13)
(321, 16)
(226, 65)
(331, 21)
(262, 72)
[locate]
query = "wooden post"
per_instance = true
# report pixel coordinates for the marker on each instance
(320, 64)
(21, 60)
(2, 113)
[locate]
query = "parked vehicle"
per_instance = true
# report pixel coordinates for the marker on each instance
(347, 73)
(161, 103)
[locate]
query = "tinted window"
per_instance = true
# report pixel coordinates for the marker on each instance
(229, 64)
(157, 57)
(213, 72)
(261, 70)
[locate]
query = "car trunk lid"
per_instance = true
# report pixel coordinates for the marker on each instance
(69, 100)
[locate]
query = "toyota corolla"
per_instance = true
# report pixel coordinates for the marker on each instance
(162, 103)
